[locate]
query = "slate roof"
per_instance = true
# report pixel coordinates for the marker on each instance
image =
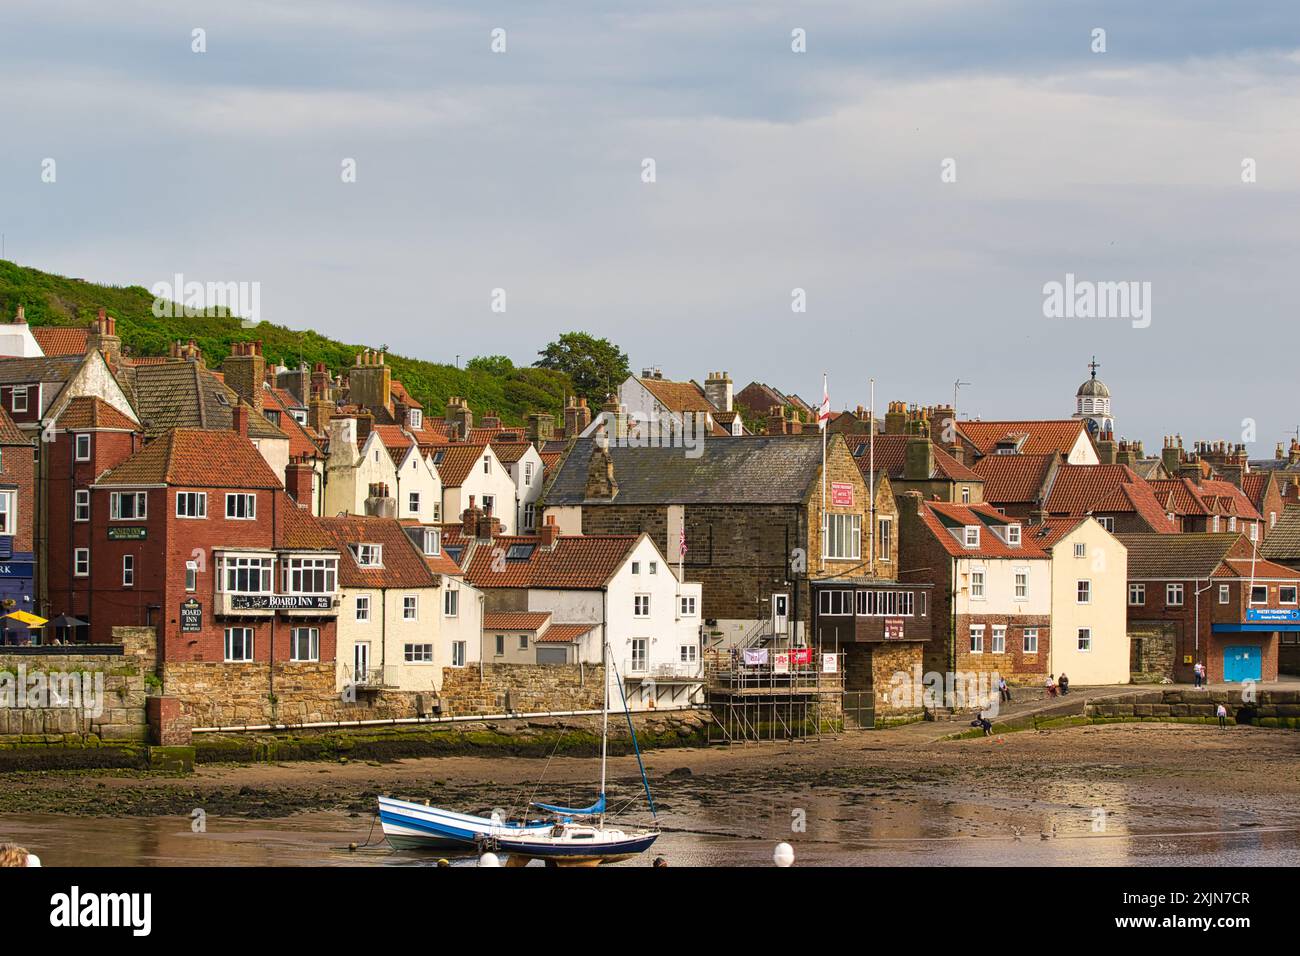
(736, 470)
(22, 371)
(1175, 557)
(61, 339)
(891, 457)
(195, 457)
(184, 394)
(90, 411)
(1041, 437)
(404, 566)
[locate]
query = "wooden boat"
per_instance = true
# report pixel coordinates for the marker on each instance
(417, 826)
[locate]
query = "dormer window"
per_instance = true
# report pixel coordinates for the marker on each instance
(971, 537)
(432, 541)
(1013, 535)
(369, 555)
(415, 419)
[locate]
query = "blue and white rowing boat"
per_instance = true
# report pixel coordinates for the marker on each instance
(416, 826)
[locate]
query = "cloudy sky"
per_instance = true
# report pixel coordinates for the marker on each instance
(774, 170)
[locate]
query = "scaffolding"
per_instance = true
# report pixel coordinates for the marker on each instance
(789, 694)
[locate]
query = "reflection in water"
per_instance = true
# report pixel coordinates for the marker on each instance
(1058, 826)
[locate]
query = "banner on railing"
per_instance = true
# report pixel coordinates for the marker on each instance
(781, 663)
(801, 656)
(755, 656)
(830, 663)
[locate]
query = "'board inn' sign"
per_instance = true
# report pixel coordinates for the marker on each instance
(281, 602)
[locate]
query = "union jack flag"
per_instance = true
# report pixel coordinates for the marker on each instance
(681, 542)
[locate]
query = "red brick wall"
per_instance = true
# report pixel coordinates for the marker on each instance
(160, 576)
(1014, 664)
(18, 467)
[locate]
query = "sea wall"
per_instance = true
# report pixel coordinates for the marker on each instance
(1264, 708)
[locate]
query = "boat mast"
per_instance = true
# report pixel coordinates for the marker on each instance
(604, 731)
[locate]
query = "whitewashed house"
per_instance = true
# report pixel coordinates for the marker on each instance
(404, 616)
(525, 467)
(477, 472)
(553, 598)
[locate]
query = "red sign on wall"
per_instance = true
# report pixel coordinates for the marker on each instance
(841, 494)
(893, 628)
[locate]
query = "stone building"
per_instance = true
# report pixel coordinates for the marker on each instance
(749, 512)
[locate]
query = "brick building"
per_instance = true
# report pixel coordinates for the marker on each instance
(1207, 597)
(219, 559)
(17, 524)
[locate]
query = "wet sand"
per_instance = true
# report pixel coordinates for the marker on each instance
(1094, 794)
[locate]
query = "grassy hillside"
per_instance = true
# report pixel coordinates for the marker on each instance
(56, 300)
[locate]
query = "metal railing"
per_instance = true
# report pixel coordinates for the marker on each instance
(367, 677)
(639, 667)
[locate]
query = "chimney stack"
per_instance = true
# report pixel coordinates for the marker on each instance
(541, 428)
(719, 389)
(245, 371)
(103, 336)
(549, 533)
(239, 418)
(469, 519)
(299, 482)
(379, 503)
(601, 483)
(577, 416)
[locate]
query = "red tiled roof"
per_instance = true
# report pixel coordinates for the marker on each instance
(301, 444)
(564, 633)
(576, 561)
(10, 433)
(395, 439)
(403, 564)
(61, 339)
(891, 457)
(457, 462)
(1041, 437)
(1047, 534)
(1183, 496)
(1013, 478)
(297, 528)
(1138, 498)
(1077, 489)
(678, 396)
(939, 517)
(515, 620)
(90, 411)
(196, 457)
(400, 394)
(1254, 486)
(1260, 569)
(510, 452)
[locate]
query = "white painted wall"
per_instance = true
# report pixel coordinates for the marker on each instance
(1105, 566)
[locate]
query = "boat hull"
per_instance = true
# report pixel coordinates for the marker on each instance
(414, 826)
(575, 854)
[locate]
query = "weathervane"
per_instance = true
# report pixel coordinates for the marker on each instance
(1094, 366)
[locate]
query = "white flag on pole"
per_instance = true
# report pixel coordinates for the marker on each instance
(824, 413)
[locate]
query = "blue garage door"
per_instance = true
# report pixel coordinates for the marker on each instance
(1243, 663)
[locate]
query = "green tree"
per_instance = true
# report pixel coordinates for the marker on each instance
(492, 364)
(595, 366)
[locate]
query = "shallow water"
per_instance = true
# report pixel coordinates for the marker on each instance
(838, 830)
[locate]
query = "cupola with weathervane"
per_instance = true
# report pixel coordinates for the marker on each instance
(1092, 404)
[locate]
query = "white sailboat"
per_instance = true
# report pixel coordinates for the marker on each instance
(571, 843)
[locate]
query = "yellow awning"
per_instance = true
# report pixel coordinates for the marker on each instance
(31, 620)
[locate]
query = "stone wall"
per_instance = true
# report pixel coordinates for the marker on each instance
(106, 700)
(1269, 708)
(213, 694)
(886, 661)
(522, 688)
(1152, 651)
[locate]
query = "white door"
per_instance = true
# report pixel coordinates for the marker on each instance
(780, 613)
(360, 662)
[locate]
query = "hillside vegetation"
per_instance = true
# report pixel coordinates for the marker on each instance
(57, 300)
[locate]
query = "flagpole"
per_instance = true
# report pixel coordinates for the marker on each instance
(871, 481)
(822, 422)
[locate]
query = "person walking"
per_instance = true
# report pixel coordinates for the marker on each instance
(1222, 713)
(1051, 686)
(1198, 675)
